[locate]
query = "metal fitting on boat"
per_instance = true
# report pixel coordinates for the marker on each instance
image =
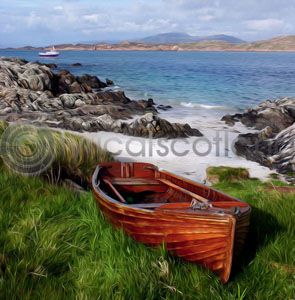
(196, 205)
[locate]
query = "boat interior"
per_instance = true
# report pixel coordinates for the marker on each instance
(141, 185)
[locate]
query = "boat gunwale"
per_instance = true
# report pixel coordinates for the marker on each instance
(99, 192)
(192, 215)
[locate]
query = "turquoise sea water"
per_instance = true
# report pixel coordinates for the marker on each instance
(193, 79)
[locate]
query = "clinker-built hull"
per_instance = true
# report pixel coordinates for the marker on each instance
(170, 213)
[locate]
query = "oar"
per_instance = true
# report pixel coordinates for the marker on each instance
(115, 190)
(191, 194)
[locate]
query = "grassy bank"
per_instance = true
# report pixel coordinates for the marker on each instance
(53, 155)
(55, 244)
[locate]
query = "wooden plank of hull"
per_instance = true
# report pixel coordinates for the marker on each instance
(156, 228)
(200, 247)
(194, 243)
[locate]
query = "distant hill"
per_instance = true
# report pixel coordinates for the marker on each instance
(209, 43)
(280, 43)
(180, 38)
(222, 38)
(167, 38)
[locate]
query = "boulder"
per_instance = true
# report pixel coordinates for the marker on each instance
(230, 120)
(146, 104)
(75, 88)
(151, 125)
(79, 103)
(64, 81)
(91, 81)
(113, 97)
(164, 107)
(51, 66)
(109, 82)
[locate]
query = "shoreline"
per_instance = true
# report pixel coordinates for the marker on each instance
(186, 157)
(184, 139)
(157, 50)
(279, 43)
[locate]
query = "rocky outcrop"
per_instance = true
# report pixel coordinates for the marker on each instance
(151, 125)
(31, 92)
(274, 145)
(278, 114)
(276, 153)
(91, 81)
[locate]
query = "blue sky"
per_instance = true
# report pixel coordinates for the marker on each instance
(43, 22)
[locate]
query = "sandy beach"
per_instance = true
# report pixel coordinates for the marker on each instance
(189, 157)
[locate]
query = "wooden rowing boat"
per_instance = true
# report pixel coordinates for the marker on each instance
(155, 207)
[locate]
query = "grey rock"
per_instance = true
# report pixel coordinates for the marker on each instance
(229, 120)
(91, 81)
(278, 114)
(109, 82)
(144, 127)
(32, 93)
(274, 145)
(7, 110)
(79, 103)
(164, 107)
(68, 100)
(86, 126)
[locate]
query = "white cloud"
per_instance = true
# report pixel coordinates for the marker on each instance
(206, 18)
(265, 24)
(7, 28)
(33, 20)
(91, 18)
(58, 8)
(96, 18)
(72, 20)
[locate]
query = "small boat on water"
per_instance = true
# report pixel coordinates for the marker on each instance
(50, 53)
(155, 207)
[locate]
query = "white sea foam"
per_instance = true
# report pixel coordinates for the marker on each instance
(195, 105)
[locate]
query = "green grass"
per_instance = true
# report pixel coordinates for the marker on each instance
(58, 154)
(226, 174)
(55, 244)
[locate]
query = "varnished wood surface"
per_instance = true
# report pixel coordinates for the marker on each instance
(208, 237)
